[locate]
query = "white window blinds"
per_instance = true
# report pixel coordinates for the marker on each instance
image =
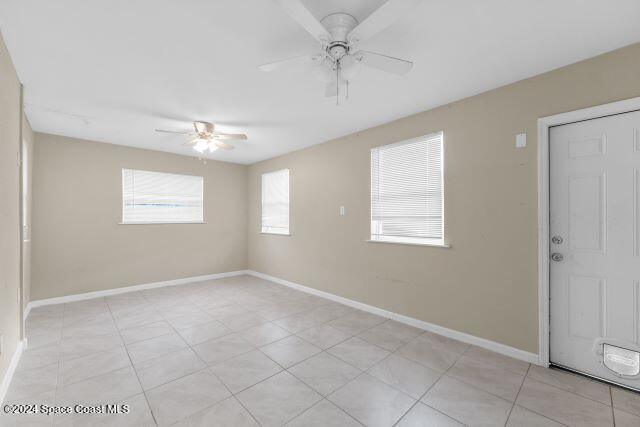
(275, 202)
(407, 191)
(155, 197)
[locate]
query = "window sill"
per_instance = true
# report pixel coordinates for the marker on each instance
(434, 245)
(275, 234)
(161, 222)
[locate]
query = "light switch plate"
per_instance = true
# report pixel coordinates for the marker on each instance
(521, 140)
(342, 210)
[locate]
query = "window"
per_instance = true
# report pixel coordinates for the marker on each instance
(275, 202)
(407, 192)
(154, 197)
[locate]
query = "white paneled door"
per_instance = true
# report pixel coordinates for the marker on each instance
(595, 247)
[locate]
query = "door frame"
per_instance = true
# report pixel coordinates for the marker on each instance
(20, 213)
(544, 123)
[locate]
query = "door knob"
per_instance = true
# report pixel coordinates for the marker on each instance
(557, 257)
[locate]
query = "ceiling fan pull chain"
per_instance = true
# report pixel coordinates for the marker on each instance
(338, 83)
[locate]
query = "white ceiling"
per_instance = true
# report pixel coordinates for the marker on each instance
(115, 70)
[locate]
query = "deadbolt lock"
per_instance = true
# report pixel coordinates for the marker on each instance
(556, 240)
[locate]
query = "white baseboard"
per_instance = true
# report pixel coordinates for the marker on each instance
(8, 376)
(116, 291)
(506, 350)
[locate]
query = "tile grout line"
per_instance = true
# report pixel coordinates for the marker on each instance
(471, 346)
(517, 394)
(60, 343)
(545, 416)
(419, 400)
(232, 395)
(76, 358)
(392, 385)
(153, 416)
(568, 391)
(532, 379)
(320, 401)
(208, 368)
(123, 346)
(322, 395)
(208, 365)
(362, 372)
(283, 369)
(301, 361)
(613, 413)
(55, 395)
(321, 349)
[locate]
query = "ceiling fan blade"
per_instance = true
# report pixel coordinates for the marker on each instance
(285, 63)
(384, 16)
(224, 145)
(230, 136)
(384, 62)
(203, 127)
(179, 132)
(296, 10)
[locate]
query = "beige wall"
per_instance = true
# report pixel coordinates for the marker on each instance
(10, 113)
(78, 245)
(486, 283)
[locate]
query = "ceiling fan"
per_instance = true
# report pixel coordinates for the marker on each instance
(206, 138)
(337, 62)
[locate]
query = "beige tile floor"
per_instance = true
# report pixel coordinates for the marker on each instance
(244, 351)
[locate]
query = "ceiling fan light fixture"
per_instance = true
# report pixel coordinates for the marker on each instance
(201, 146)
(324, 71)
(349, 67)
(207, 139)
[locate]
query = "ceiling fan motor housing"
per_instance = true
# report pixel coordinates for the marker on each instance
(339, 25)
(337, 50)
(203, 128)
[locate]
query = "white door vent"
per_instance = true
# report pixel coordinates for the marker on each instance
(624, 362)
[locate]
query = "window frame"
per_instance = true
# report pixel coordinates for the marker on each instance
(262, 227)
(407, 240)
(122, 217)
